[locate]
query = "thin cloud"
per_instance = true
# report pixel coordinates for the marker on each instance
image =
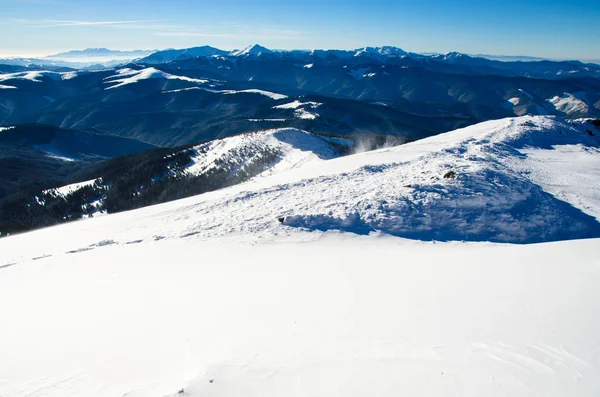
(52, 23)
(163, 28)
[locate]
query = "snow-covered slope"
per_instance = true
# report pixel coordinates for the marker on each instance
(274, 151)
(254, 49)
(188, 171)
(380, 52)
(501, 180)
(35, 76)
(569, 104)
(170, 55)
(212, 295)
(130, 76)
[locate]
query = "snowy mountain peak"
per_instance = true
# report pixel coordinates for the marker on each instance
(383, 51)
(254, 49)
(452, 56)
(202, 51)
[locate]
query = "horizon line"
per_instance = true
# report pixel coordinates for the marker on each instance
(41, 55)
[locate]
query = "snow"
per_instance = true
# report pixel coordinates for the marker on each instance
(569, 104)
(181, 90)
(299, 112)
(70, 75)
(61, 158)
(303, 114)
(67, 189)
(129, 76)
(358, 73)
(293, 148)
(269, 94)
(379, 103)
(31, 76)
(251, 50)
(34, 76)
(380, 51)
(258, 120)
(515, 101)
(321, 317)
(296, 104)
(51, 151)
(491, 199)
(568, 172)
(213, 296)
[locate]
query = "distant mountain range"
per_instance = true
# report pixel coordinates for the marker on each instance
(93, 58)
(175, 98)
(102, 56)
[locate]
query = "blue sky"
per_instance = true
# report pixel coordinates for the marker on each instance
(553, 28)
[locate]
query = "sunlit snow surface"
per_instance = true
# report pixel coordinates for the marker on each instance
(569, 104)
(292, 148)
(300, 109)
(67, 189)
(213, 296)
(131, 76)
(272, 95)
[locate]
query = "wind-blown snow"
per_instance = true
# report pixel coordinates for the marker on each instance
(403, 191)
(130, 76)
(472, 184)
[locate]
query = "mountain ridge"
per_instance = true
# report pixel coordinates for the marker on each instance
(487, 182)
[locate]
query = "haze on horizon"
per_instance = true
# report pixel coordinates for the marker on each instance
(554, 29)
